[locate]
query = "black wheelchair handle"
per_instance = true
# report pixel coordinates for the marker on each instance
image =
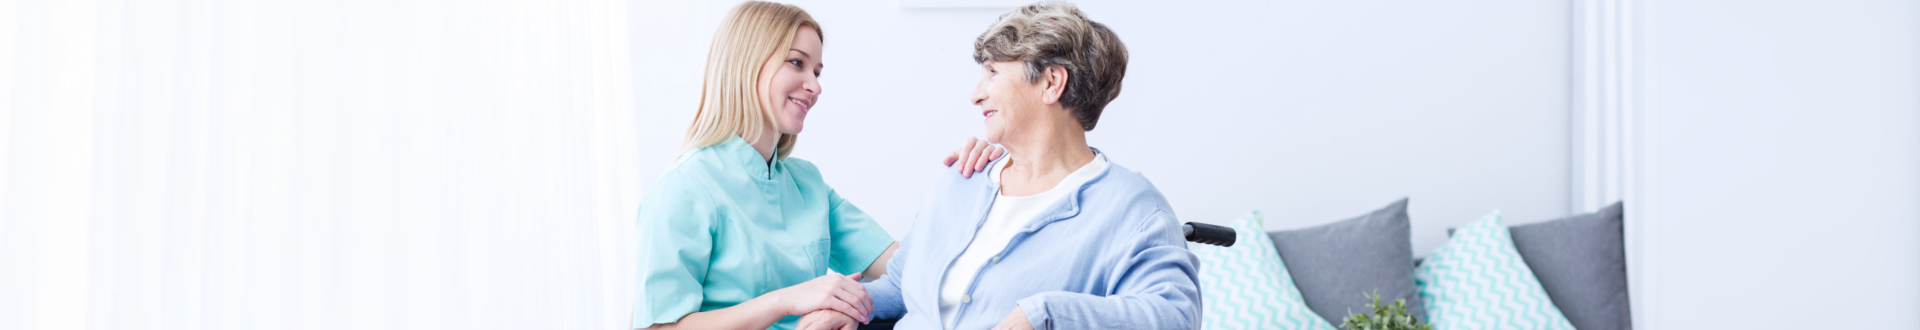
(1208, 234)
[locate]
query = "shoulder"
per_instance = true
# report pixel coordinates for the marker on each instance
(1131, 195)
(797, 162)
(953, 195)
(949, 180)
(806, 177)
(692, 176)
(801, 167)
(697, 161)
(1120, 181)
(681, 201)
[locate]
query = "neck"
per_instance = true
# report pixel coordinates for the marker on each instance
(1047, 155)
(769, 139)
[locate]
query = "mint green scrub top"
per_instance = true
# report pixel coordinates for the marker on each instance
(723, 226)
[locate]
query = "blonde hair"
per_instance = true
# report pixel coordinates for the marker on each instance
(729, 93)
(1049, 34)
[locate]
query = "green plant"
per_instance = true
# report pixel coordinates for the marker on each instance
(1385, 316)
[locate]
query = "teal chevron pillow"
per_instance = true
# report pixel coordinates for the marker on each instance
(1246, 286)
(1478, 281)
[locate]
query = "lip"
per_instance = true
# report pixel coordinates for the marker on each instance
(804, 103)
(989, 113)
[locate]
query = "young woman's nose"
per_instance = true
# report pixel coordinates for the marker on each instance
(812, 85)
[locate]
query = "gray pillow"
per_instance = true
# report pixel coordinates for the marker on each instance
(1582, 262)
(1334, 263)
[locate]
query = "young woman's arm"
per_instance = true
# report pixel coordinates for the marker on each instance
(879, 266)
(753, 314)
(676, 220)
(831, 292)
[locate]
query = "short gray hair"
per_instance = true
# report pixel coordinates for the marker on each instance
(1050, 33)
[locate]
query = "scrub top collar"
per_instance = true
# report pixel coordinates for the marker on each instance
(748, 159)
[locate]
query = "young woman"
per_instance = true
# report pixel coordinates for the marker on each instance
(735, 234)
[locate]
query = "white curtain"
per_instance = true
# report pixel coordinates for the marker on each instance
(247, 164)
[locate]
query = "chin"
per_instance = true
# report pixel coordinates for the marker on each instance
(798, 124)
(992, 133)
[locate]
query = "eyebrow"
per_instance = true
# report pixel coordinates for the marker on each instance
(802, 52)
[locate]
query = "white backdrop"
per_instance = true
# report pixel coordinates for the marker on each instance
(435, 164)
(1784, 165)
(1779, 150)
(315, 165)
(1311, 112)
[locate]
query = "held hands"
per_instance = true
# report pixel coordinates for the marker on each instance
(832, 320)
(974, 154)
(827, 319)
(840, 294)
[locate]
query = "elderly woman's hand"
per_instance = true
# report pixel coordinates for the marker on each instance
(1017, 320)
(974, 154)
(827, 319)
(841, 293)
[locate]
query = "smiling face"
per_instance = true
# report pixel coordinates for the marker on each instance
(789, 82)
(1010, 104)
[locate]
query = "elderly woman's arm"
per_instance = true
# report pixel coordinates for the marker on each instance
(1158, 288)
(884, 292)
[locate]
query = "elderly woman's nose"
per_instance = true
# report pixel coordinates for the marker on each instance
(979, 94)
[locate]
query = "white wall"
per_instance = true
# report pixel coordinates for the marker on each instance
(1310, 111)
(1779, 149)
(1783, 187)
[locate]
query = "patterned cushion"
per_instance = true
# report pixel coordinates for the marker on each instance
(1478, 281)
(1246, 286)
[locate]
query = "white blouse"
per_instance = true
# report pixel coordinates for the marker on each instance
(1004, 220)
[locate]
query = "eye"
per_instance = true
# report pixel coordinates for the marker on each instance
(796, 63)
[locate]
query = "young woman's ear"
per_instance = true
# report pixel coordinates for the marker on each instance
(1055, 78)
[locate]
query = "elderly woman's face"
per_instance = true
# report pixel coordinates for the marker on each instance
(1006, 99)
(789, 82)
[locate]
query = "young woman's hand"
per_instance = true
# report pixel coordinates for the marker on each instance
(827, 320)
(842, 293)
(974, 156)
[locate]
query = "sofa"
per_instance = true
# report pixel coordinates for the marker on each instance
(1578, 261)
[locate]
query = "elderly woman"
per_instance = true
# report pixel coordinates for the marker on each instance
(1056, 235)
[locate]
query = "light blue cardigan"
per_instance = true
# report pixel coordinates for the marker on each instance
(1110, 256)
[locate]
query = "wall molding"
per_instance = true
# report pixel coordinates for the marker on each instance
(1606, 100)
(1609, 119)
